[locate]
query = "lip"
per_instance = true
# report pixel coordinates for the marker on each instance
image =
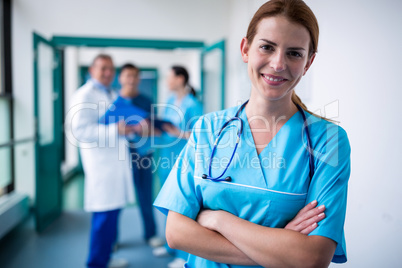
(279, 79)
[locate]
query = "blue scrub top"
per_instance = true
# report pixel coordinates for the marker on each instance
(183, 116)
(138, 144)
(267, 189)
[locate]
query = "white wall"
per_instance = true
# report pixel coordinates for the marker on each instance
(359, 64)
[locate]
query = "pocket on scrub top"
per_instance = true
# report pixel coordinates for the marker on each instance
(283, 208)
(258, 205)
(249, 203)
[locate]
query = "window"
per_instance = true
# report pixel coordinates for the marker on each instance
(2, 90)
(6, 122)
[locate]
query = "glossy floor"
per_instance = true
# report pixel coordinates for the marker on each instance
(64, 244)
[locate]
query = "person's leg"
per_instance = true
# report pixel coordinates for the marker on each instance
(143, 184)
(103, 235)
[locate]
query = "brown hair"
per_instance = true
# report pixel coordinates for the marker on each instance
(101, 56)
(295, 11)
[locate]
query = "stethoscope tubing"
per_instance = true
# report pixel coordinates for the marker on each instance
(240, 131)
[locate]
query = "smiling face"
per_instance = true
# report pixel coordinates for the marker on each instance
(103, 71)
(277, 57)
(174, 82)
(129, 79)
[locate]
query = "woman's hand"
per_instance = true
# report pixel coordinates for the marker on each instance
(125, 129)
(176, 132)
(171, 129)
(307, 218)
(304, 222)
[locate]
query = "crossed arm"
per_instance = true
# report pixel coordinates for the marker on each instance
(222, 237)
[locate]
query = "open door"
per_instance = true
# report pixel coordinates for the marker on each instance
(213, 77)
(48, 131)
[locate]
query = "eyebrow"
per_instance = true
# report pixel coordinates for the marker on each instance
(275, 45)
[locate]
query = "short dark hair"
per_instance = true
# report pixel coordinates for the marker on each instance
(103, 57)
(129, 66)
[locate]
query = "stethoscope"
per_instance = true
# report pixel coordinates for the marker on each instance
(239, 132)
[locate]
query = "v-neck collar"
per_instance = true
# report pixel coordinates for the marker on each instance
(249, 135)
(249, 141)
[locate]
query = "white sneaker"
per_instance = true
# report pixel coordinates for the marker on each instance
(155, 242)
(160, 252)
(177, 263)
(118, 263)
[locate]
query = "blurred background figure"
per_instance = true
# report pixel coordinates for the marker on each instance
(140, 154)
(182, 110)
(108, 179)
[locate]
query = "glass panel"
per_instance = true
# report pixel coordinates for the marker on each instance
(5, 166)
(148, 84)
(212, 81)
(5, 152)
(2, 90)
(4, 121)
(45, 94)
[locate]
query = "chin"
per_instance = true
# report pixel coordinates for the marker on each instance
(273, 96)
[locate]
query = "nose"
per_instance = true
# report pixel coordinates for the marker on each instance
(108, 72)
(278, 62)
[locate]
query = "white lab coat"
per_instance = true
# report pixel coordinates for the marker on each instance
(104, 153)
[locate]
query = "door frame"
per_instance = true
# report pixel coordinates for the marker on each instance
(77, 41)
(44, 217)
(221, 45)
(60, 42)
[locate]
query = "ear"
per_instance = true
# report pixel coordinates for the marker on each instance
(244, 49)
(309, 62)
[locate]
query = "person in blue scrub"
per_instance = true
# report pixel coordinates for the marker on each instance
(140, 153)
(276, 206)
(182, 110)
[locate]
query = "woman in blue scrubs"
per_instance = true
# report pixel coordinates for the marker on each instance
(257, 217)
(182, 110)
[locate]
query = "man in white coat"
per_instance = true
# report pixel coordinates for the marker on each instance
(105, 159)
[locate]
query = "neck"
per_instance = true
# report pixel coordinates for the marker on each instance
(129, 92)
(181, 92)
(271, 110)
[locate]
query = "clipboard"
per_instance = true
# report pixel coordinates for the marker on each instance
(158, 123)
(123, 110)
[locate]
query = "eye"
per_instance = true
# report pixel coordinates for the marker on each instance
(295, 54)
(267, 48)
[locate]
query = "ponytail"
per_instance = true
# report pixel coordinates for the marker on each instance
(180, 70)
(192, 90)
(296, 100)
